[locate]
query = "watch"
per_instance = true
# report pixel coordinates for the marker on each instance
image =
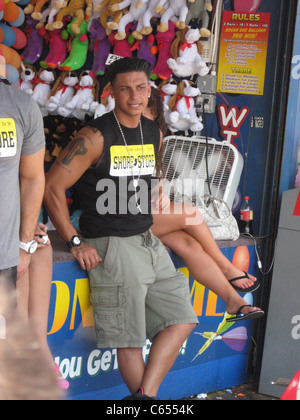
(75, 241)
(29, 247)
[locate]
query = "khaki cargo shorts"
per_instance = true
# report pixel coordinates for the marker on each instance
(136, 291)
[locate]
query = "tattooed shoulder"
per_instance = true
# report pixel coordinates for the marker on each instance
(79, 146)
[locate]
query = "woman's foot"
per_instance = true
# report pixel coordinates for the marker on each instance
(244, 280)
(233, 308)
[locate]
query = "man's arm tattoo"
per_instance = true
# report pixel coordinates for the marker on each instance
(76, 148)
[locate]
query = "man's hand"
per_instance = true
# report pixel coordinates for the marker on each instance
(86, 255)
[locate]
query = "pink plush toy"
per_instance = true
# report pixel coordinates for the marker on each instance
(123, 48)
(57, 48)
(164, 43)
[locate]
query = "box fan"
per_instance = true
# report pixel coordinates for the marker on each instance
(196, 167)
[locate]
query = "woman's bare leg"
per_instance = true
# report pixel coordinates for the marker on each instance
(188, 218)
(205, 270)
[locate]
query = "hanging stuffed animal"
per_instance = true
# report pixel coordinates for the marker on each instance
(57, 48)
(199, 10)
(137, 8)
(79, 45)
(34, 8)
(123, 48)
(109, 18)
(177, 12)
(151, 13)
(183, 115)
(34, 48)
(164, 41)
(48, 14)
(42, 87)
(100, 45)
(107, 103)
(168, 89)
(62, 92)
(27, 74)
(144, 49)
(186, 51)
(75, 9)
(87, 93)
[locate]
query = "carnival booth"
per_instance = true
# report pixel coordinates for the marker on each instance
(217, 64)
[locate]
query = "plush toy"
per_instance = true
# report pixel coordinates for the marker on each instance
(109, 18)
(57, 48)
(107, 103)
(137, 8)
(62, 92)
(49, 13)
(33, 50)
(42, 88)
(123, 47)
(27, 75)
(10, 62)
(177, 11)
(100, 45)
(183, 115)
(187, 50)
(78, 48)
(144, 48)
(85, 97)
(76, 9)
(199, 10)
(151, 13)
(164, 42)
(168, 89)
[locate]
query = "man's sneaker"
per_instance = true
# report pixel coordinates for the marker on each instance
(139, 395)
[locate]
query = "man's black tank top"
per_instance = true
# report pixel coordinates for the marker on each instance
(106, 191)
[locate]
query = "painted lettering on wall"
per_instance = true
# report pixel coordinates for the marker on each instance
(232, 120)
(71, 305)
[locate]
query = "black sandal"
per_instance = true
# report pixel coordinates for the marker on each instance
(255, 286)
(241, 317)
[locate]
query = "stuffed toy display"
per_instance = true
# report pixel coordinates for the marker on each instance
(62, 92)
(27, 75)
(199, 10)
(177, 12)
(100, 45)
(42, 87)
(76, 9)
(137, 9)
(33, 51)
(78, 47)
(110, 18)
(186, 51)
(57, 48)
(164, 42)
(182, 113)
(84, 99)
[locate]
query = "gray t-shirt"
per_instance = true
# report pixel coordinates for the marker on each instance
(21, 133)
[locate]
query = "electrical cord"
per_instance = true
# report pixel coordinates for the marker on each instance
(259, 263)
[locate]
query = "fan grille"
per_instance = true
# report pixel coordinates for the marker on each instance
(185, 173)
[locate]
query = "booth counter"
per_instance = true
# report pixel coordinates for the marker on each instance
(214, 357)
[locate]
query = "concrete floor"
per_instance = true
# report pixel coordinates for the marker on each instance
(241, 393)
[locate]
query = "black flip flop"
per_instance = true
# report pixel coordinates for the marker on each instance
(255, 286)
(241, 317)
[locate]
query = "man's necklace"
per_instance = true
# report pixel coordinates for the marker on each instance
(135, 180)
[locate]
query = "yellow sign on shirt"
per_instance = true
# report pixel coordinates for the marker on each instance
(139, 161)
(8, 137)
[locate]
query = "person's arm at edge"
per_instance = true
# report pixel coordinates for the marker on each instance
(84, 151)
(32, 184)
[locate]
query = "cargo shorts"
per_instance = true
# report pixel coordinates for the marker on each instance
(136, 291)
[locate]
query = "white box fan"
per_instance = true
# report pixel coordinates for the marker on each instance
(194, 168)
